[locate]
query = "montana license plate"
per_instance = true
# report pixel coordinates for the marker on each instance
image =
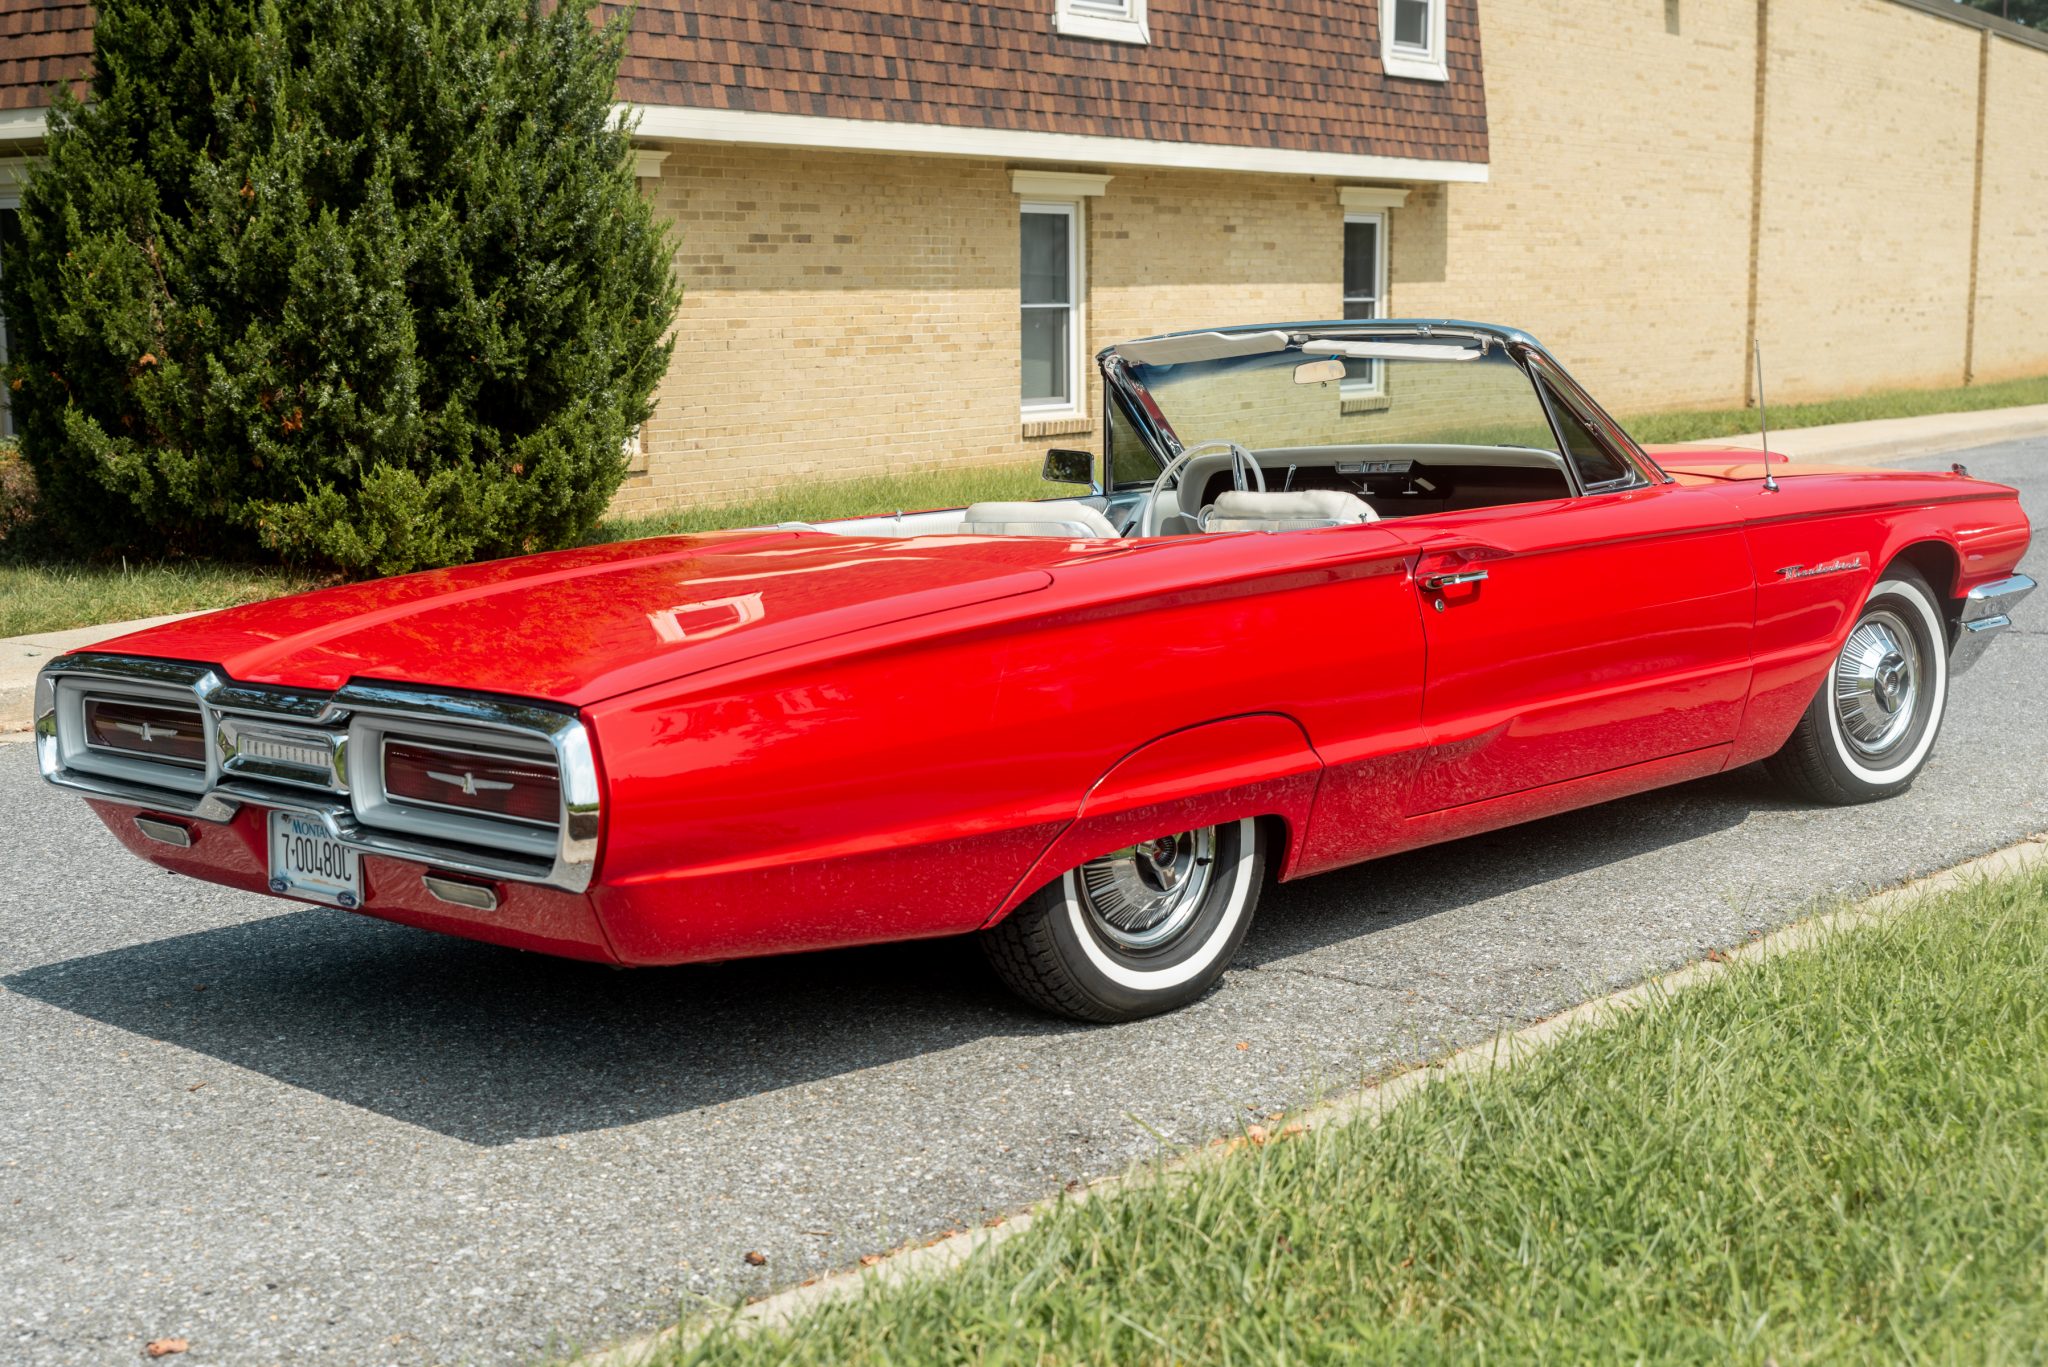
(305, 861)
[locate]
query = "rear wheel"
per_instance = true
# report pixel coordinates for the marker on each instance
(1870, 728)
(1138, 931)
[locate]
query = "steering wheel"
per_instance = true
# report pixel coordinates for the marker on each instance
(1242, 462)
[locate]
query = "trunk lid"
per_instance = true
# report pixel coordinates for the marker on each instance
(579, 625)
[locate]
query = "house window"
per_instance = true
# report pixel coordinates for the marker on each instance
(1412, 39)
(1049, 291)
(1116, 21)
(1365, 288)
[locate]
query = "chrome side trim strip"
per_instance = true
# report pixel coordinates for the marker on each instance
(1987, 610)
(351, 806)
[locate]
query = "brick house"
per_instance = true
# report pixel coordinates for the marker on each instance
(903, 226)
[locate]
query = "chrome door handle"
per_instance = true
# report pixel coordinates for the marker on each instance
(1444, 581)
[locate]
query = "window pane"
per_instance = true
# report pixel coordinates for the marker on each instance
(1361, 262)
(1596, 464)
(1411, 23)
(1044, 277)
(1130, 460)
(1045, 356)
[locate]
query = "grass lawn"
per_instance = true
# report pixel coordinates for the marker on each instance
(1655, 428)
(849, 498)
(49, 598)
(1839, 1154)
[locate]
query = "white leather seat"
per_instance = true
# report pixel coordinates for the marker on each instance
(1054, 517)
(1247, 510)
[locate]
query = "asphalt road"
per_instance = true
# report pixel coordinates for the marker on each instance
(297, 1135)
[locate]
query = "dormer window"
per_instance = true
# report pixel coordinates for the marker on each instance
(1115, 21)
(1412, 39)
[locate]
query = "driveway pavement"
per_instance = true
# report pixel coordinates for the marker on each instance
(298, 1135)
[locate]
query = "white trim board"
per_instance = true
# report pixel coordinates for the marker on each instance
(24, 125)
(681, 123)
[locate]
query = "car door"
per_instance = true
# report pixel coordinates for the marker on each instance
(1582, 635)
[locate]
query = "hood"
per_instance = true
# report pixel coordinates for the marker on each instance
(1738, 463)
(1717, 462)
(576, 626)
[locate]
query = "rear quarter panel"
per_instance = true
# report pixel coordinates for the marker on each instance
(910, 781)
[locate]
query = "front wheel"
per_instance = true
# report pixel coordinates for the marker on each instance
(1139, 931)
(1870, 728)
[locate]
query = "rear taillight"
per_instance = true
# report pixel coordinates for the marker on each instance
(147, 730)
(485, 783)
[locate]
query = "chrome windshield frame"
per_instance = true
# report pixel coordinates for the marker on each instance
(1527, 353)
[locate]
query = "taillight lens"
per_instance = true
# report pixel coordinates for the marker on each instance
(147, 730)
(481, 782)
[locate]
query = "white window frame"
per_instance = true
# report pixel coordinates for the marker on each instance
(1415, 63)
(1376, 385)
(1077, 294)
(1112, 21)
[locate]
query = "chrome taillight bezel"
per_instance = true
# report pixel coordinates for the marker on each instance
(346, 795)
(378, 806)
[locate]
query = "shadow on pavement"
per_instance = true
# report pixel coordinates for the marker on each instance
(490, 1046)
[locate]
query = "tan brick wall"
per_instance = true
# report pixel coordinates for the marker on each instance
(841, 315)
(852, 314)
(847, 315)
(2012, 263)
(1615, 224)
(1870, 138)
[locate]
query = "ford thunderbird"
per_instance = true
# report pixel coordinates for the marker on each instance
(1336, 590)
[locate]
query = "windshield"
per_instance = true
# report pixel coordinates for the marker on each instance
(1312, 398)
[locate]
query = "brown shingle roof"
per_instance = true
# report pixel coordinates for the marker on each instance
(1296, 74)
(41, 42)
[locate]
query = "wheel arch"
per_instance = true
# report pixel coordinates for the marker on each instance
(1258, 765)
(1941, 565)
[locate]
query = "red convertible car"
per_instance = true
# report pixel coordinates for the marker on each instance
(1340, 589)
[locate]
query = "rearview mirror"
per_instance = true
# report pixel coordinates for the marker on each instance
(1064, 466)
(1319, 372)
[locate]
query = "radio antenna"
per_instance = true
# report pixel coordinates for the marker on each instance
(1763, 423)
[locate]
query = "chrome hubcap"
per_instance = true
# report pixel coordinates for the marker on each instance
(1144, 895)
(1877, 683)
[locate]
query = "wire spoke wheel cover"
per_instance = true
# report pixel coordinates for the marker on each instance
(1145, 895)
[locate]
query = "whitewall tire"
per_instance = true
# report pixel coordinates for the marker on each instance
(1869, 730)
(1139, 931)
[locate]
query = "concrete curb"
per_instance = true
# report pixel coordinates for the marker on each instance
(22, 656)
(1883, 441)
(1368, 1105)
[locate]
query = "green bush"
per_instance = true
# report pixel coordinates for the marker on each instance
(17, 492)
(357, 283)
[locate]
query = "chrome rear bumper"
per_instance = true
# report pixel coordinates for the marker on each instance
(1987, 610)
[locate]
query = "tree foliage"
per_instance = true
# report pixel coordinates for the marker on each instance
(361, 283)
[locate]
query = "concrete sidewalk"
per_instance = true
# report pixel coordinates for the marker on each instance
(22, 656)
(1884, 440)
